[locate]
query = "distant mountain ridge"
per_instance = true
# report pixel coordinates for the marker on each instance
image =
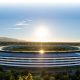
(6, 39)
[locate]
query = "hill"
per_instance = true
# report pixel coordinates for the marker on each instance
(6, 39)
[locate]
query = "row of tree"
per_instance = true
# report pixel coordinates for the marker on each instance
(24, 75)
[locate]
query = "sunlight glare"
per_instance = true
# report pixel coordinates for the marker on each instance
(41, 51)
(41, 33)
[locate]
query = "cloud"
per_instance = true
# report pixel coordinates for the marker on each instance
(24, 23)
(21, 25)
(15, 28)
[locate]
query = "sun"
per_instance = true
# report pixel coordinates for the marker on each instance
(41, 33)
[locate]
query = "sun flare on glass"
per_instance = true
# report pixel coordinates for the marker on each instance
(41, 51)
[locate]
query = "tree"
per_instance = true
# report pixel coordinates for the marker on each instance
(20, 78)
(1, 75)
(29, 77)
(12, 77)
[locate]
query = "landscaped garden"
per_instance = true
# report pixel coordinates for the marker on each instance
(38, 48)
(12, 74)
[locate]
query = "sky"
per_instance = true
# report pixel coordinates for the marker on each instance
(57, 21)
